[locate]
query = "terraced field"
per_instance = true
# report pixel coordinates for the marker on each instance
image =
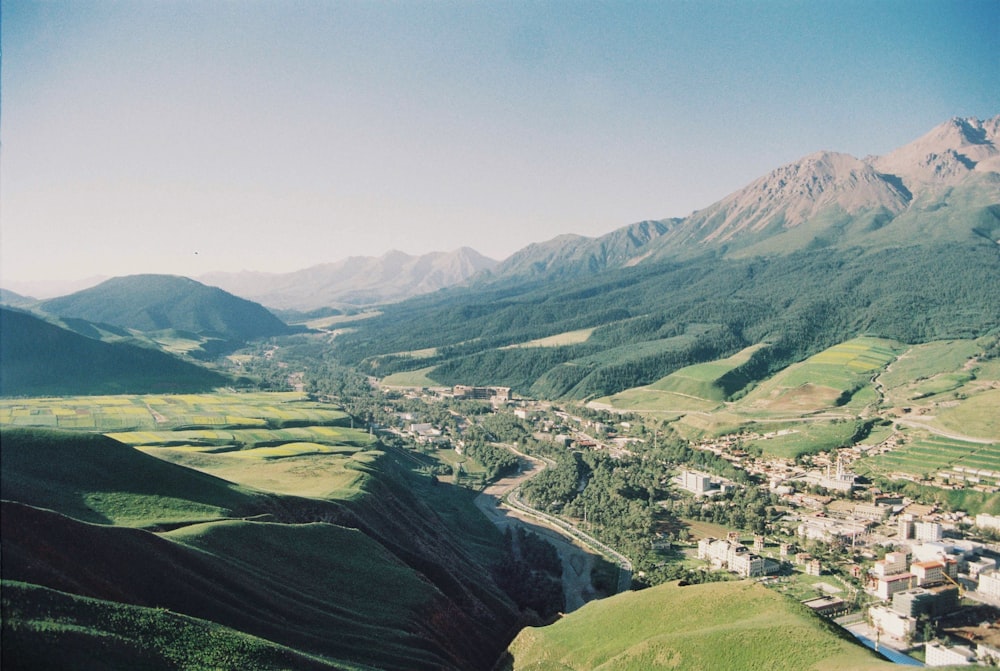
(927, 454)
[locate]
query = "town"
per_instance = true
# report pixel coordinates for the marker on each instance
(907, 577)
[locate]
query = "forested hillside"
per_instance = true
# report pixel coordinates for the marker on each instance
(655, 318)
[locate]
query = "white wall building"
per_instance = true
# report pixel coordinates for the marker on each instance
(927, 531)
(989, 584)
(892, 623)
(940, 655)
(984, 521)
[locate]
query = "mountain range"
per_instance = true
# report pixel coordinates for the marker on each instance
(813, 253)
(358, 280)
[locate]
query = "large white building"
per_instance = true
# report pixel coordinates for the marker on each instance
(891, 623)
(940, 655)
(732, 555)
(989, 584)
(927, 531)
(985, 521)
(893, 564)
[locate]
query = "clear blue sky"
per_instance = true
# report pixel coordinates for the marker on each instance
(188, 137)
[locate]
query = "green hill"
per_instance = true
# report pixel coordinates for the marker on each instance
(375, 580)
(161, 302)
(39, 358)
(728, 625)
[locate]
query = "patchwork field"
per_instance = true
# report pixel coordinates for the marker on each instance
(926, 454)
(831, 379)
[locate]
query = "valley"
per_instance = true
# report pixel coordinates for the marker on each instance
(732, 440)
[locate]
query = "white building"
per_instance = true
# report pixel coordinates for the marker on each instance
(984, 521)
(891, 623)
(886, 587)
(893, 564)
(989, 584)
(697, 483)
(927, 531)
(981, 565)
(732, 555)
(940, 655)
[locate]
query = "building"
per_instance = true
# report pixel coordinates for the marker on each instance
(981, 565)
(928, 572)
(481, 393)
(940, 655)
(735, 557)
(886, 587)
(698, 484)
(927, 531)
(921, 601)
(985, 521)
(871, 511)
(893, 564)
(813, 567)
(989, 584)
(826, 605)
(891, 623)
(905, 527)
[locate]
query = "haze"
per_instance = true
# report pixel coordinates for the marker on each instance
(189, 137)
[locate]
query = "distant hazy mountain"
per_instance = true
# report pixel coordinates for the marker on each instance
(358, 280)
(42, 289)
(15, 299)
(159, 302)
(37, 358)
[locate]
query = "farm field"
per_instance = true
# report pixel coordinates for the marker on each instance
(926, 454)
(825, 381)
(558, 340)
(171, 412)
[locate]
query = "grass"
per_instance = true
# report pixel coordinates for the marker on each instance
(804, 438)
(825, 381)
(558, 340)
(48, 629)
(728, 625)
(411, 378)
(692, 388)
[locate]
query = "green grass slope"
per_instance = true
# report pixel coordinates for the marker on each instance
(48, 629)
(38, 358)
(729, 625)
(375, 579)
(95, 479)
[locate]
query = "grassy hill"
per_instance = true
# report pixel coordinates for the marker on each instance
(37, 358)
(365, 575)
(729, 625)
(162, 302)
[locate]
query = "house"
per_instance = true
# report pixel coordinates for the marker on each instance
(928, 572)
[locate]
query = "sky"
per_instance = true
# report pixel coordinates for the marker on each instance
(190, 137)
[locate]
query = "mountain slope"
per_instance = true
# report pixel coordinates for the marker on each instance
(572, 255)
(356, 280)
(377, 580)
(38, 358)
(159, 302)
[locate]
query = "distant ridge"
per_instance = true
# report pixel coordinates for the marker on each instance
(160, 302)
(358, 280)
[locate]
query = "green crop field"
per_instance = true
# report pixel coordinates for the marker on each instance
(822, 381)
(926, 454)
(727, 625)
(799, 438)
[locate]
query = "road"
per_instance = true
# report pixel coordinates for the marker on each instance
(501, 504)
